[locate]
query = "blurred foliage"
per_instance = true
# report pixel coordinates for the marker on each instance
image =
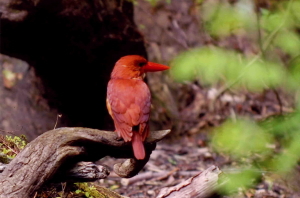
(239, 180)
(213, 64)
(223, 19)
(239, 144)
(271, 60)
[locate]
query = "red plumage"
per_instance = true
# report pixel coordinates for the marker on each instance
(129, 100)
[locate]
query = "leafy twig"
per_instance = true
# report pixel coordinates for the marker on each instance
(265, 46)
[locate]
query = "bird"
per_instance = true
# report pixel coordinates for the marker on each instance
(129, 100)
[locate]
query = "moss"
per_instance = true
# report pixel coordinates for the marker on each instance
(10, 146)
(91, 191)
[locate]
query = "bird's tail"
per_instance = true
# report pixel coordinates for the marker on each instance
(138, 146)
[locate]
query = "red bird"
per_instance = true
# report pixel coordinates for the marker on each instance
(128, 100)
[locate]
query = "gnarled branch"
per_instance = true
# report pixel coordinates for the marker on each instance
(52, 155)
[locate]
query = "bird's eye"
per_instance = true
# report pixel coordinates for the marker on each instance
(142, 64)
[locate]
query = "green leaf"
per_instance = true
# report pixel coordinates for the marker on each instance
(262, 74)
(242, 179)
(223, 19)
(289, 41)
(241, 139)
(289, 156)
(275, 20)
(211, 65)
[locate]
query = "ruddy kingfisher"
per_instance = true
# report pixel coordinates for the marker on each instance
(129, 100)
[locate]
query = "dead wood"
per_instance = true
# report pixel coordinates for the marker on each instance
(52, 155)
(199, 186)
(87, 171)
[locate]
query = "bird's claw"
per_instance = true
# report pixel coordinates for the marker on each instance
(119, 138)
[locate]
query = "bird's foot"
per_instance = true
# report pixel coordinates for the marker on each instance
(119, 138)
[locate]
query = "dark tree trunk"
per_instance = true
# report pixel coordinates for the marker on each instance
(72, 46)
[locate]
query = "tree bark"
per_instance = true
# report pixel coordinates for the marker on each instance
(49, 158)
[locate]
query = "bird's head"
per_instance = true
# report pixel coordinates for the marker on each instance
(134, 67)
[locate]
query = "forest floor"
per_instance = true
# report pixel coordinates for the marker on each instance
(170, 28)
(194, 111)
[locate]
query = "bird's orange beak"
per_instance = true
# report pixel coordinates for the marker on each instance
(153, 67)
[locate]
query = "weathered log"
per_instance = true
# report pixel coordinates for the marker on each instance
(52, 155)
(87, 171)
(200, 186)
(81, 172)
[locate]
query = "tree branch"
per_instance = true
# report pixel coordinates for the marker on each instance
(52, 155)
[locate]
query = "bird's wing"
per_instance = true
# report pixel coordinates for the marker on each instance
(129, 105)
